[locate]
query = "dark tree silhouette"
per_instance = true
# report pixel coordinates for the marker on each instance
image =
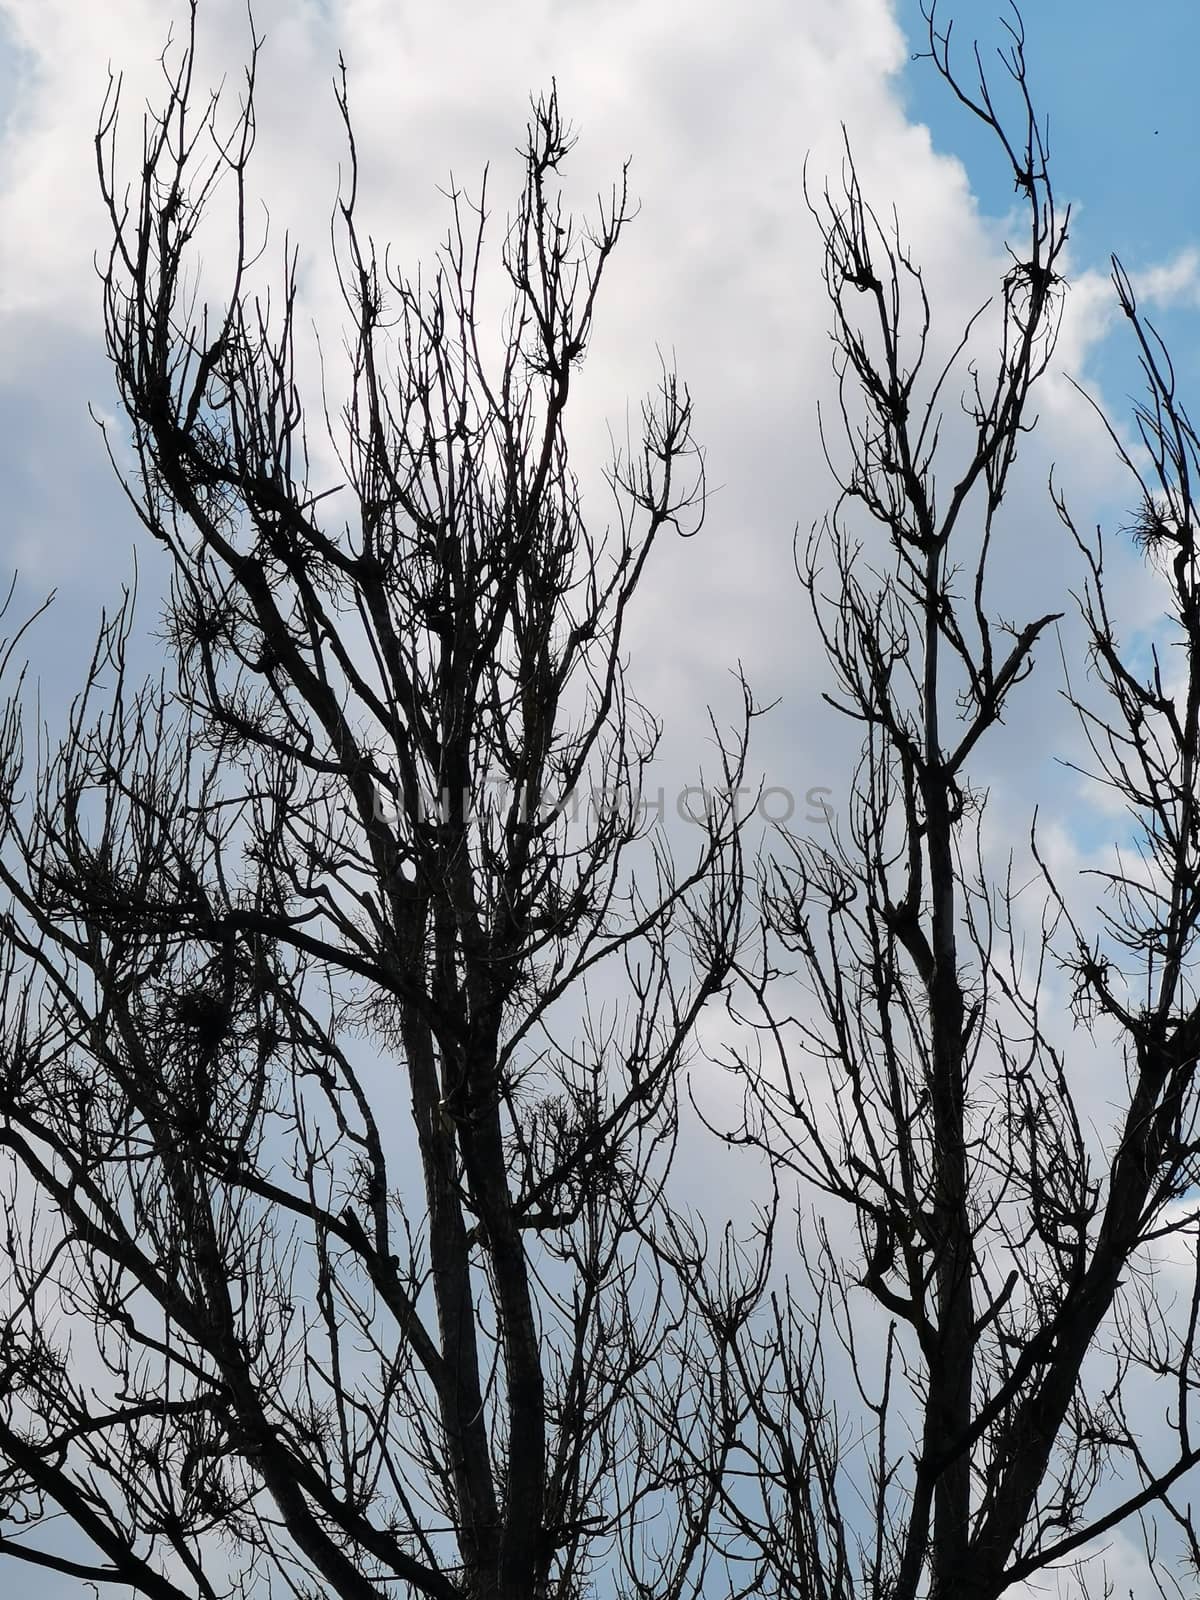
(1000, 1323)
(331, 1260)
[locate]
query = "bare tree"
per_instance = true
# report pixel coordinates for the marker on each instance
(997, 1326)
(331, 1260)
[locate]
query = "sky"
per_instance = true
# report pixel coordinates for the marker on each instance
(718, 107)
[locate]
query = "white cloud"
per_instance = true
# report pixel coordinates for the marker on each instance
(1114, 1567)
(1171, 283)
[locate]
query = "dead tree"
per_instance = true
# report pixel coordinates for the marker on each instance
(998, 1317)
(334, 1187)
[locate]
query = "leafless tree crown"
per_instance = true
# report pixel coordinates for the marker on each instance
(310, 1115)
(999, 1317)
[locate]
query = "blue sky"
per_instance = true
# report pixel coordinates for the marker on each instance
(1121, 103)
(1120, 98)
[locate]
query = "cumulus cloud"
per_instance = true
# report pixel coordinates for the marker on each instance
(1171, 283)
(719, 272)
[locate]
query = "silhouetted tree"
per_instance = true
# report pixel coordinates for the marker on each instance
(1004, 1346)
(331, 1260)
